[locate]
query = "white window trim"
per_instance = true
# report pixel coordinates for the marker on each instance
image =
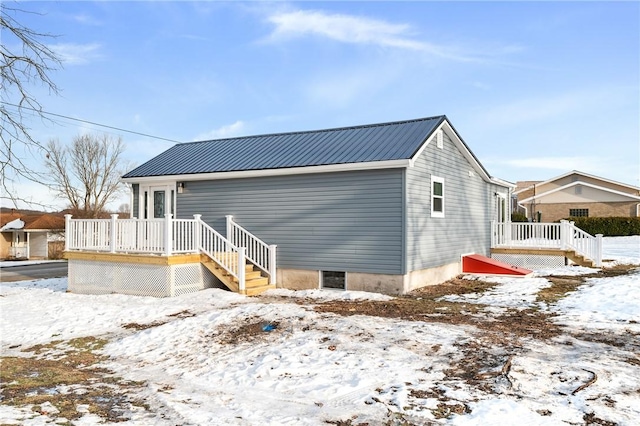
(168, 187)
(440, 180)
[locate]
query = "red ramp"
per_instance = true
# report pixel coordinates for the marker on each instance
(478, 264)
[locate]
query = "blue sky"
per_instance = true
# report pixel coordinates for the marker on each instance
(536, 89)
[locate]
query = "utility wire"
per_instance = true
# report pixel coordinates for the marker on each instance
(90, 122)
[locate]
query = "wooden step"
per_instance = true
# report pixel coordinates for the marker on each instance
(256, 282)
(253, 291)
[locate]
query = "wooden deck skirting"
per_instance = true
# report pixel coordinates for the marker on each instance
(176, 259)
(529, 250)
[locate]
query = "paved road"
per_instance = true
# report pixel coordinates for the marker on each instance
(33, 272)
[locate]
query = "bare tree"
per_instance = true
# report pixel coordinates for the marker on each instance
(26, 60)
(124, 210)
(86, 173)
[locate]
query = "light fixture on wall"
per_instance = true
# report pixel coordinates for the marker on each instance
(180, 187)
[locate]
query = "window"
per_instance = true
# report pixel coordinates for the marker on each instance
(437, 196)
(578, 190)
(579, 212)
(334, 280)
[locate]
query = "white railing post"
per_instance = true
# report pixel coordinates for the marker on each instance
(493, 233)
(112, 234)
(598, 250)
(241, 271)
(67, 231)
(230, 228)
(167, 234)
(198, 232)
(564, 234)
(572, 234)
(272, 264)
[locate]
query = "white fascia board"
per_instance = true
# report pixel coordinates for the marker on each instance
(569, 185)
(503, 182)
(445, 126)
(372, 165)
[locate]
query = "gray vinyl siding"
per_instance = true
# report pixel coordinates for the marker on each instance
(347, 221)
(469, 203)
(136, 199)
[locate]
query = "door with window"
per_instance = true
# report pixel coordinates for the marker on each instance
(158, 203)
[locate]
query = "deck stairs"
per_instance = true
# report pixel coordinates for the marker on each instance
(255, 282)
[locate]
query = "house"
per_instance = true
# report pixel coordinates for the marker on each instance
(384, 207)
(30, 235)
(577, 194)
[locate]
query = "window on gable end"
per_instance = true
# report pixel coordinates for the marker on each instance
(439, 139)
(437, 196)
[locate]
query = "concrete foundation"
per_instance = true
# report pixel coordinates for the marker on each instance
(302, 279)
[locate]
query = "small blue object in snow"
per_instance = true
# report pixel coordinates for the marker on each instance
(268, 327)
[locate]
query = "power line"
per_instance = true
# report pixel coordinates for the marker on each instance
(90, 122)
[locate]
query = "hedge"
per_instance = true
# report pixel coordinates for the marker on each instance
(608, 226)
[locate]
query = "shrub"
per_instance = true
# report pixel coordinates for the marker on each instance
(608, 226)
(518, 217)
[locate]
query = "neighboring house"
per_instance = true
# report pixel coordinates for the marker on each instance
(577, 194)
(29, 235)
(385, 207)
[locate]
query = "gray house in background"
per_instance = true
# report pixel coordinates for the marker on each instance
(385, 207)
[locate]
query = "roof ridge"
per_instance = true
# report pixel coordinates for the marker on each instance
(301, 132)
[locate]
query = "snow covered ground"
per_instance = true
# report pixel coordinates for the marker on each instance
(202, 362)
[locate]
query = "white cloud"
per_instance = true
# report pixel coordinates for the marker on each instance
(77, 54)
(227, 131)
(356, 30)
(86, 19)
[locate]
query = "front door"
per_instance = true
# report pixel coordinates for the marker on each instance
(158, 202)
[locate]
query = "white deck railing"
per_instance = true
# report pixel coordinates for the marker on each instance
(173, 236)
(563, 236)
(258, 252)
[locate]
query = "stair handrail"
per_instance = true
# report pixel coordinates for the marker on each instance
(582, 242)
(259, 253)
(229, 256)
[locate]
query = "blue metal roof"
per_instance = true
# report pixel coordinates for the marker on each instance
(376, 142)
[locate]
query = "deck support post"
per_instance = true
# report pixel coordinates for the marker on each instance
(168, 234)
(565, 232)
(112, 233)
(198, 232)
(598, 259)
(67, 231)
(241, 268)
(272, 264)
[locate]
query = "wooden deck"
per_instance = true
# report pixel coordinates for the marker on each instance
(567, 254)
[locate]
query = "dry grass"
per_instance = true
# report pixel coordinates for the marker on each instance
(64, 374)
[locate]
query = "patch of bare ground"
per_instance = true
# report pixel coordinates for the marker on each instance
(426, 304)
(561, 285)
(254, 329)
(420, 305)
(138, 327)
(65, 375)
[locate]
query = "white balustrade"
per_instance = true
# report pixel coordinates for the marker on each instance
(258, 252)
(173, 236)
(563, 236)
